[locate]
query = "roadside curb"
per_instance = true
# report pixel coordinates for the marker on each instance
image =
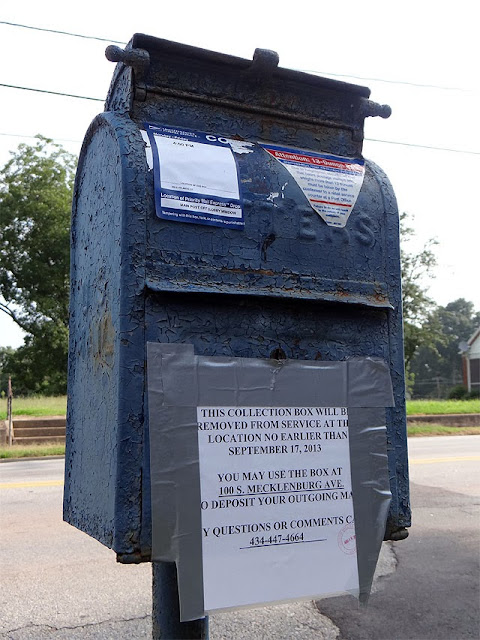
(447, 419)
(30, 458)
(426, 435)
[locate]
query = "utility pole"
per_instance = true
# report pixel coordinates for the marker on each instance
(9, 412)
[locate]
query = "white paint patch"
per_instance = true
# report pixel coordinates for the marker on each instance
(240, 146)
(148, 149)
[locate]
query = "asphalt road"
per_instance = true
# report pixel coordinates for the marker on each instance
(52, 575)
(434, 593)
(57, 583)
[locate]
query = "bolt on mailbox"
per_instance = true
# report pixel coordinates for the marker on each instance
(225, 204)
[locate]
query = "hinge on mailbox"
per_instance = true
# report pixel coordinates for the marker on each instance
(138, 59)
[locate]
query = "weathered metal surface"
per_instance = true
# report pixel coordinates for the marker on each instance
(104, 456)
(254, 284)
(287, 284)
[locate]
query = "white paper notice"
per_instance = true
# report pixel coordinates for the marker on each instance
(277, 510)
(196, 167)
(331, 183)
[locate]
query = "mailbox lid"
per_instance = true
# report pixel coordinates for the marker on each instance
(285, 248)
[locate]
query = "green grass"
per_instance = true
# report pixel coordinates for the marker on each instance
(436, 407)
(35, 406)
(32, 451)
(45, 406)
(440, 430)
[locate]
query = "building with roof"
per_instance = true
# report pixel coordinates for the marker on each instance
(471, 362)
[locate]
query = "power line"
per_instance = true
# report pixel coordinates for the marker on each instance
(53, 93)
(19, 135)
(327, 73)
(424, 146)
(401, 82)
(404, 144)
(63, 33)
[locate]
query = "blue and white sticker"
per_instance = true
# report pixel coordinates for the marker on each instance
(330, 183)
(195, 177)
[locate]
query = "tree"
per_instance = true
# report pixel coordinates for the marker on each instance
(431, 333)
(438, 366)
(35, 199)
(417, 267)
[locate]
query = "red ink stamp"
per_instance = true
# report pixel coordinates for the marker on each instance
(346, 538)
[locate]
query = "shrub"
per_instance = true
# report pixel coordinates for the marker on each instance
(459, 392)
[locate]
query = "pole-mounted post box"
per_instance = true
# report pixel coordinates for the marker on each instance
(253, 261)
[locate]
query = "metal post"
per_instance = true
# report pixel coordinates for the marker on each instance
(9, 412)
(166, 613)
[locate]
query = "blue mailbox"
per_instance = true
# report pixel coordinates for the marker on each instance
(254, 260)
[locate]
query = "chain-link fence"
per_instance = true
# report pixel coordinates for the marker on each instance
(436, 387)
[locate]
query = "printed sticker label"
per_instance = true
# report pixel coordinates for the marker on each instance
(330, 183)
(195, 177)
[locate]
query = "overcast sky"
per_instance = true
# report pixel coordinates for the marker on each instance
(389, 47)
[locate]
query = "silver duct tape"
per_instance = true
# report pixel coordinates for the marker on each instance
(371, 488)
(179, 382)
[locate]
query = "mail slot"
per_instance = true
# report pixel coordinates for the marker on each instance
(222, 203)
